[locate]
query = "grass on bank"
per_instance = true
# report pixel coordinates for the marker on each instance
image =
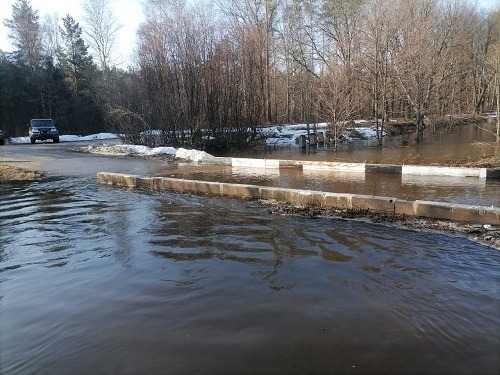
(9, 173)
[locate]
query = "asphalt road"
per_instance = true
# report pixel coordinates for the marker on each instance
(61, 159)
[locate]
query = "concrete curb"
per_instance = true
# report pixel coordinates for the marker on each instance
(356, 167)
(417, 208)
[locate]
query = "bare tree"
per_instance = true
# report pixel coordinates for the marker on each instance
(206, 77)
(254, 24)
(337, 105)
(51, 40)
(101, 30)
(497, 91)
(426, 58)
(378, 36)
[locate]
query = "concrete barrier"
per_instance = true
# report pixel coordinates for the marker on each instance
(435, 210)
(440, 171)
(217, 161)
(449, 211)
(257, 163)
(489, 173)
(334, 166)
(384, 168)
(419, 170)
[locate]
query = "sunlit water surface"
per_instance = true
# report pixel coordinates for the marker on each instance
(95, 280)
(464, 143)
(461, 190)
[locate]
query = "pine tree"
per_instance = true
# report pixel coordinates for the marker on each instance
(77, 64)
(25, 33)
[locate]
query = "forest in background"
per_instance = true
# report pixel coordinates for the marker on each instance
(207, 74)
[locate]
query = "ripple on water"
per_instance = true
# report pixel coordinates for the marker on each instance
(97, 278)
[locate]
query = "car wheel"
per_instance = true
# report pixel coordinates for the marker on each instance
(33, 140)
(55, 140)
(2, 142)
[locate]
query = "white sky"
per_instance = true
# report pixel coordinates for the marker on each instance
(129, 14)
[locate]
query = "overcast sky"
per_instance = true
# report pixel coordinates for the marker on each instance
(128, 13)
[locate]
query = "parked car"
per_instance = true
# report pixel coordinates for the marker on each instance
(42, 129)
(2, 139)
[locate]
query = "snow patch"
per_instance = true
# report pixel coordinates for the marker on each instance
(181, 153)
(193, 155)
(286, 135)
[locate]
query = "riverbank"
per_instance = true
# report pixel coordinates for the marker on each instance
(471, 162)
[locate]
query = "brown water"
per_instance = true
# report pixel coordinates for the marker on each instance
(463, 143)
(95, 280)
(470, 190)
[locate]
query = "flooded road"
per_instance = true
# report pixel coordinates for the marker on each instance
(61, 160)
(462, 190)
(100, 280)
(463, 143)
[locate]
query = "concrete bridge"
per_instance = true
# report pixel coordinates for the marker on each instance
(394, 205)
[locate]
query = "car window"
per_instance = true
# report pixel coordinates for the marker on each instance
(39, 123)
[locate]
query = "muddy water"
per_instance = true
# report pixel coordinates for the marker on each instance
(470, 190)
(464, 143)
(95, 280)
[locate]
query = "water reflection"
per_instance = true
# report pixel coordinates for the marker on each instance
(464, 143)
(94, 279)
(469, 190)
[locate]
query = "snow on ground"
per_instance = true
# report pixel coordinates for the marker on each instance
(181, 153)
(286, 135)
(70, 138)
(107, 149)
(276, 136)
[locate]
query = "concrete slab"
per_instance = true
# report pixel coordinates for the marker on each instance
(423, 170)
(440, 171)
(437, 210)
(383, 168)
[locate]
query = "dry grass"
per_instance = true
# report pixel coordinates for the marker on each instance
(473, 162)
(9, 173)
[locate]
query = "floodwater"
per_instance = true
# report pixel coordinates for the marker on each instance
(469, 190)
(465, 143)
(97, 280)
(462, 143)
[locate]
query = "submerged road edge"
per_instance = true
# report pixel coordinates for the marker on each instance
(415, 208)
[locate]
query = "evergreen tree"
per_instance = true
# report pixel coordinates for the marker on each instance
(75, 60)
(26, 36)
(25, 33)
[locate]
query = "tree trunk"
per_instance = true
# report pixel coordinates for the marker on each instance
(420, 126)
(498, 107)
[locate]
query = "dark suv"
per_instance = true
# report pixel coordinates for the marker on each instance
(43, 129)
